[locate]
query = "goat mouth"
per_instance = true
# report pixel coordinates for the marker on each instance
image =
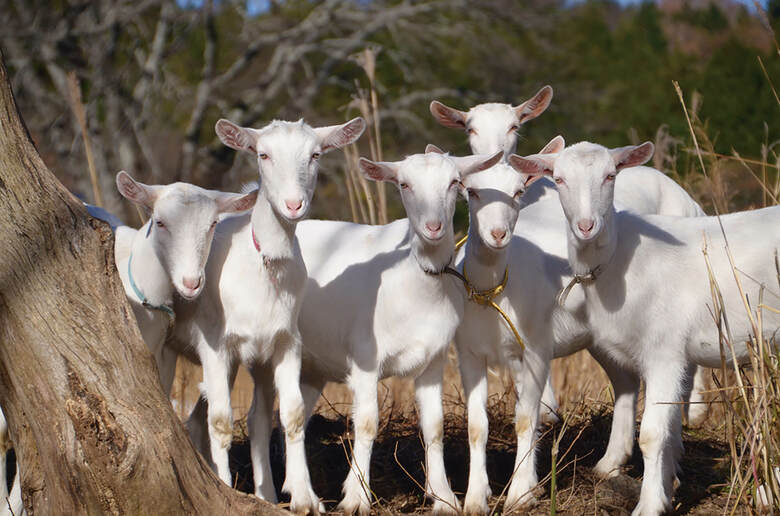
(297, 216)
(590, 235)
(189, 294)
(434, 238)
(496, 247)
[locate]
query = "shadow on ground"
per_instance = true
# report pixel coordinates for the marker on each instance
(398, 461)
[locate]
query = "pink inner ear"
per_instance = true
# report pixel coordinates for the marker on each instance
(246, 202)
(232, 136)
(636, 156)
(353, 130)
(447, 116)
(130, 189)
(535, 106)
(530, 166)
(375, 173)
(343, 136)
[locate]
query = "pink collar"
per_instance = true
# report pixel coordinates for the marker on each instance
(254, 240)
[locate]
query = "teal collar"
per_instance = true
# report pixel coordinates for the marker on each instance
(144, 300)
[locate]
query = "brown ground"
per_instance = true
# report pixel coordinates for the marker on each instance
(398, 458)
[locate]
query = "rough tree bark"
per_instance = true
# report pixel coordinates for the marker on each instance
(93, 431)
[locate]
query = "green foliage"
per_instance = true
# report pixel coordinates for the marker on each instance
(710, 18)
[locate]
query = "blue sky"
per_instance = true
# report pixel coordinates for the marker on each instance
(748, 3)
(253, 6)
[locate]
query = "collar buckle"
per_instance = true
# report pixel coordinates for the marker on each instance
(590, 277)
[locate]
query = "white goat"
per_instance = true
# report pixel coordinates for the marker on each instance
(249, 310)
(167, 254)
(377, 304)
(521, 279)
(649, 304)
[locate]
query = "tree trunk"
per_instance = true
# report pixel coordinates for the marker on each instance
(93, 431)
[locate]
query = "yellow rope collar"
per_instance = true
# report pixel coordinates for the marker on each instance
(460, 242)
(485, 297)
(590, 277)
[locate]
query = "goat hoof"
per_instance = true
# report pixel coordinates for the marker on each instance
(607, 468)
(355, 505)
(476, 501)
(475, 508)
(648, 509)
(446, 507)
(303, 500)
(548, 417)
(313, 507)
(519, 504)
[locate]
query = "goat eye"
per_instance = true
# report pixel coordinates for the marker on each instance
(610, 177)
(262, 155)
(315, 156)
(213, 224)
(455, 182)
(518, 194)
(558, 180)
(471, 131)
(404, 186)
(159, 223)
(514, 128)
(472, 194)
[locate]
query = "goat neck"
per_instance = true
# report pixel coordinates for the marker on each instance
(148, 272)
(275, 234)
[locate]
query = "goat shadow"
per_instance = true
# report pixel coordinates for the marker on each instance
(397, 465)
(353, 291)
(613, 292)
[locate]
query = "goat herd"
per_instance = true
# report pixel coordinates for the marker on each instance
(600, 253)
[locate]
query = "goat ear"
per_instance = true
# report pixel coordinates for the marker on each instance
(447, 116)
(534, 106)
(431, 148)
(554, 146)
(337, 136)
(471, 164)
(631, 155)
(235, 136)
(134, 191)
(534, 165)
(236, 203)
(379, 170)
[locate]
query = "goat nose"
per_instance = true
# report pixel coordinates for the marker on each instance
(433, 227)
(293, 204)
(498, 234)
(585, 225)
(191, 283)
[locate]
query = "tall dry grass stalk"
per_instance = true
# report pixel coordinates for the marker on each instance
(77, 106)
(752, 403)
(367, 202)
